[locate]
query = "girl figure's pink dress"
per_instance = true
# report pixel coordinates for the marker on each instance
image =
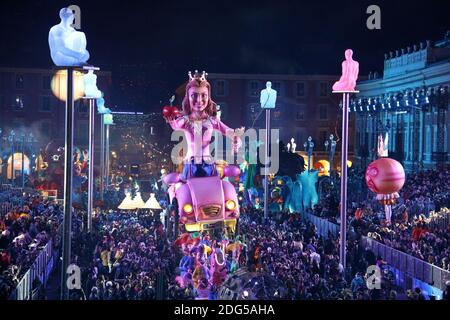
(198, 160)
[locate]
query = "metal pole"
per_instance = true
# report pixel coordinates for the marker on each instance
(102, 154)
(309, 158)
(68, 153)
(91, 164)
(266, 162)
(23, 164)
(344, 151)
(12, 161)
(107, 158)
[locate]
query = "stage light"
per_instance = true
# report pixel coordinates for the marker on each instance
(188, 208)
(231, 205)
(398, 103)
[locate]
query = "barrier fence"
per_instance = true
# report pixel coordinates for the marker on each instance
(323, 226)
(411, 266)
(408, 264)
(40, 270)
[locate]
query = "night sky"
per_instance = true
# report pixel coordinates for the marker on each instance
(155, 43)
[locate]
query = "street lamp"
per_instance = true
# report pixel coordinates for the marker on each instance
(27, 140)
(11, 138)
(309, 147)
(330, 142)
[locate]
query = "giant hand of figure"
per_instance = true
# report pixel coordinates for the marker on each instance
(237, 140)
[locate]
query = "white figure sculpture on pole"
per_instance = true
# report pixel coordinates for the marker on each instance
(268, 97)
(90, 85)
(268, 100)
(383, 151)
(67, 46)
(293, 145)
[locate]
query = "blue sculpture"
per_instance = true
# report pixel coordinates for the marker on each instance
(268, 97)
(297, 194)
(101, 106)
(90, 85)
(67, 46)
(308, 181)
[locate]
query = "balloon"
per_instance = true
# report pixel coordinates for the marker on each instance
(385, 176)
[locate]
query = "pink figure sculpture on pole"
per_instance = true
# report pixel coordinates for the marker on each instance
(350, 70)
(345, 85)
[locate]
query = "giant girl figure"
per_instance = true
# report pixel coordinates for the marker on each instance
(198, 121)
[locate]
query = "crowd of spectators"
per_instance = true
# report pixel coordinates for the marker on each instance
(130, 258)
(27, 223)
(412, 229)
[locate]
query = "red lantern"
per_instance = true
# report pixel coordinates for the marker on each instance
(385, 177)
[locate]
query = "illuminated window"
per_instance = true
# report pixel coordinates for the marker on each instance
(277, 115)
(19, 81)
(300, 114)
(323, 89)
(46, 128)
(300, 89)
(45, 104)
(323, 111)
(46, 82)
(221, 88)
(254, 89)
(277, 86)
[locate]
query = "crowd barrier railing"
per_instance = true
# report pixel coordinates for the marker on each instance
(40, 269)
(323, 226)
(412, 266)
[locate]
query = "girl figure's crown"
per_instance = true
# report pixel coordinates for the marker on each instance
(197, 76)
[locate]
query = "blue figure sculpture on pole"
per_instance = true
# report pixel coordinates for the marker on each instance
(308, 181)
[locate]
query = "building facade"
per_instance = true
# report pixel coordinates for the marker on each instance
(29, 105)
(410, 103)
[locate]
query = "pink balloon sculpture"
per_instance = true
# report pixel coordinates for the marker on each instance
(350, 70)
(385, 177)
